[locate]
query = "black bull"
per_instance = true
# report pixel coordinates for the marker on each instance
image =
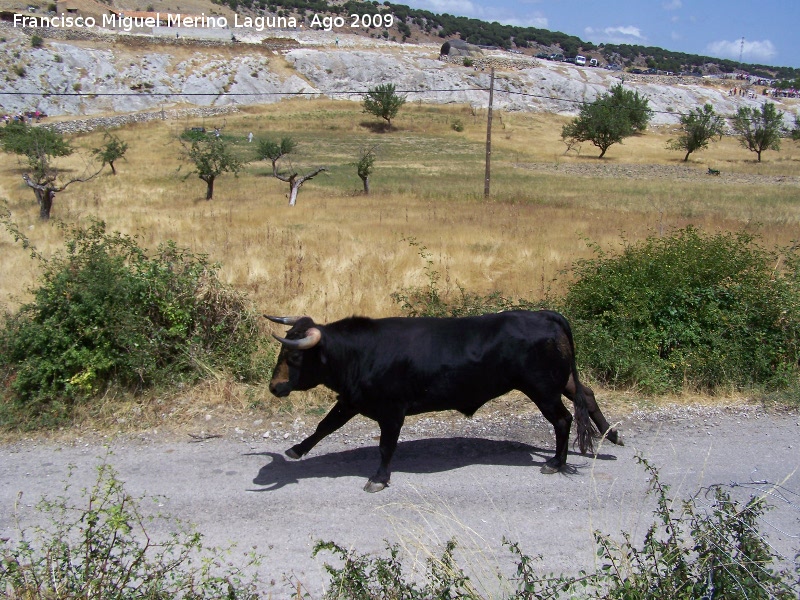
(386, 369)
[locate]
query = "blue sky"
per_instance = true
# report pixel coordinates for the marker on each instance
(770, 28)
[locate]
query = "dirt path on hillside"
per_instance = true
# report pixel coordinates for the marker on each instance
(595, 168)
(475, 480)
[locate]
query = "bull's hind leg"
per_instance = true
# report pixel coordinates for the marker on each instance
(594, 411)
(560, 418)
(338, 416)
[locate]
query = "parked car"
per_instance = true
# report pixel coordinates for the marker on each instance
(593, 62)
(543, 55)
(557, 57)
(580, 60)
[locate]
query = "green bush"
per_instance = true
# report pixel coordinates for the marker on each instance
(107, 312)
(689, 310)
(103, 550)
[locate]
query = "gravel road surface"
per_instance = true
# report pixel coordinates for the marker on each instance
(476, 480)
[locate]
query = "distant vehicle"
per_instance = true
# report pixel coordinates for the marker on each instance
(543, 55)
(580, 60)
(593, 62)
(557, 57)
(571, 59)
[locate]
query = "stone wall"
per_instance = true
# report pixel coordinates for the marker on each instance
(487, 62)
(108, 37)
(86, 125)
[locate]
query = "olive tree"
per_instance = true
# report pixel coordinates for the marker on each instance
(212, 156)
(113, 150)
(40, 146)
(759, 129)
(609, 119)
(365, 166)
(698, 127)
(383, 102)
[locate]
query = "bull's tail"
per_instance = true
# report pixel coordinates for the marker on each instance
(586, 429)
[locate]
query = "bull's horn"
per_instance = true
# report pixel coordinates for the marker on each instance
(283, 320)
(313, 336)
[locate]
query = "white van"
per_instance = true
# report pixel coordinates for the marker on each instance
(580, 60)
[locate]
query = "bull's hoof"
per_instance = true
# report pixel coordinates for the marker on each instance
(374, 486)
(292, 453)
(615, 438)
(551, 466)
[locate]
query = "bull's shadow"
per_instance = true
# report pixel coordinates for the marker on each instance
(416, 456)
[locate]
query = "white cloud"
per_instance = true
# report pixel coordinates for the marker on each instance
(453, 7)
(628, 34)
(672, 5)
(751, 51)
(535, 20)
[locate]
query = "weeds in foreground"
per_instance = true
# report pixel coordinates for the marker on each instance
(104, 549)
(696, 551)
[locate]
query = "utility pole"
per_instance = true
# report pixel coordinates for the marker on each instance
(488, 177)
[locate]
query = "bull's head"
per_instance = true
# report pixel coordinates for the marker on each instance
(290, 373)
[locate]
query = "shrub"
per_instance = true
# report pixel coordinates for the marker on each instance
(688, 309)
(103, 550)
(37, 41)
(365, 577)
(106, 312)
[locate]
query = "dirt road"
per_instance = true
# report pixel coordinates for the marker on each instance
(476, 480)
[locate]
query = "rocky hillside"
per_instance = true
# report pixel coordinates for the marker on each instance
(126, 73)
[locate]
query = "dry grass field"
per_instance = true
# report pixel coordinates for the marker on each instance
(339, 253)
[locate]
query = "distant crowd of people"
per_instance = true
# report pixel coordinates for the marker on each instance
(24, 117)
(787, 93)
(771, 92)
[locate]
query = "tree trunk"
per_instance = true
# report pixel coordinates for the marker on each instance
(113, 170)
(686, 158)
(758, 152)
(45, 198)
(294, 186)
(602, 152)
(366, 185)
(295, 182)
(210, 188)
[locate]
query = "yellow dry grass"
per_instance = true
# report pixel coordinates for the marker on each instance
(339, 253)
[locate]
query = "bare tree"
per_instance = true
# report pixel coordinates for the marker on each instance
(274, 151)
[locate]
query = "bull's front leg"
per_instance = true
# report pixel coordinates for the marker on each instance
(338, 416)
(390, 433)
